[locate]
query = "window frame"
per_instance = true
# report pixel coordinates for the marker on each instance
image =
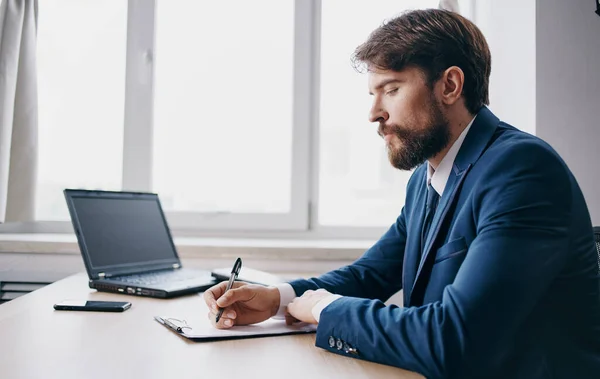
(303, 219)
(138, 127)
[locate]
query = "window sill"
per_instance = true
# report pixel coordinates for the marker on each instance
(207, 248)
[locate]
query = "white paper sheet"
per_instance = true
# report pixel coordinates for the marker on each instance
(205, 331)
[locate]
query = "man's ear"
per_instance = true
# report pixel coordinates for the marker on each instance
(451, 82)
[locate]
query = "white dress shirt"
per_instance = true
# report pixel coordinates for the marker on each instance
(438, 179)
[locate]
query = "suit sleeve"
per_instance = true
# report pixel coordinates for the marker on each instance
(375, 275)
(522, 208)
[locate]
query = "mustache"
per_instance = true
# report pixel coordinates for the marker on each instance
(384, 129)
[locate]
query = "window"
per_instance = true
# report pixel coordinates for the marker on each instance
(223, 106)
(357, 184)
(239, 119)
(81, 81)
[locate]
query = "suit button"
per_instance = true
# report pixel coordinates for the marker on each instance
(349, 349)
(331, 341)
(339, 344)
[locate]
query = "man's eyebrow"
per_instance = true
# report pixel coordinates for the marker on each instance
(385, 83)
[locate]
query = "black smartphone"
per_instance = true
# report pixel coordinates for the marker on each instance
(89, 305)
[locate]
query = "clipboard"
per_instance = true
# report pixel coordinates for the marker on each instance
(203, 331)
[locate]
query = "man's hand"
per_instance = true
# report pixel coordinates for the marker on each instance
(301, 308)
(244, 304)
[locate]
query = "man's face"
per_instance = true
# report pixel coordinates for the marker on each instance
(410, 117)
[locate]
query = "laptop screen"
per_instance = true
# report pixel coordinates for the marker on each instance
(121, 230)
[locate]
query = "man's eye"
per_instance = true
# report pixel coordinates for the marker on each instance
(392, 91)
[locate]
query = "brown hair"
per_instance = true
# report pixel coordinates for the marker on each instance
(431, 40)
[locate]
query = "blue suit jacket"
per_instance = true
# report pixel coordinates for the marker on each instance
(507, 284)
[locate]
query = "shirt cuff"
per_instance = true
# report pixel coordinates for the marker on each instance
(322, 304)
(286, 296)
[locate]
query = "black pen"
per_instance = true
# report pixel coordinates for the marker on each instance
(237, 266)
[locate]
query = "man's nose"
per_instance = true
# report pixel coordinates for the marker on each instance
(377, 114)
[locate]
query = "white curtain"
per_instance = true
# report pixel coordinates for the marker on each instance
(449, 5)
(18, 109)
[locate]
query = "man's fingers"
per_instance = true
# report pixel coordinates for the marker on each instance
(291, 306)
(216, 298)
(289, 319)
(217, 291)
(214, 292)
(290, 309)
(213, 308)
(208, 296)
(243, 293)
(224, 322)
(227, 313)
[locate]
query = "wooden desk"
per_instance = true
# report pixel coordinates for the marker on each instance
(38, 342)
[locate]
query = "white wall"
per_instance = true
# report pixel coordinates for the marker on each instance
(509, 28)
(568, 89)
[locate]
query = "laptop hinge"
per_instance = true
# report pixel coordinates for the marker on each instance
(176, 265)
(101, 275)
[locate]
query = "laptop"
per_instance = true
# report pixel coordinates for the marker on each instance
(127, 246)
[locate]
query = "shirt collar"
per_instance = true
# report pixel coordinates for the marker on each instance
(439, 177)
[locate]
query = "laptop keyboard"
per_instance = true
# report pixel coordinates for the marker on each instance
(158, 277)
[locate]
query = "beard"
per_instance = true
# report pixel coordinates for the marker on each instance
(417, 143)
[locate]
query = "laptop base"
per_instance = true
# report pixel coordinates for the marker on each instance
(122, 288)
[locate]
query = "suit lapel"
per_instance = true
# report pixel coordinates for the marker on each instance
(473, 146)
(450, 192)
(413, 243)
